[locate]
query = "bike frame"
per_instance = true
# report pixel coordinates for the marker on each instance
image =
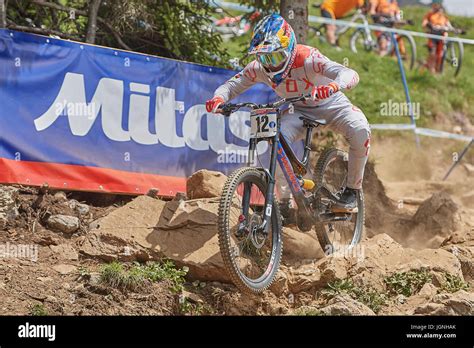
(291, 166)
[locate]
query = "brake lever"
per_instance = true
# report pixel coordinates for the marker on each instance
(226, 110)
(226, 113)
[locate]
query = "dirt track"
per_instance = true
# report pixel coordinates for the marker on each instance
(417, 226)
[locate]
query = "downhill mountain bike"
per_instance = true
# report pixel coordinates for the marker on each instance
(249, 222)
(362, 40)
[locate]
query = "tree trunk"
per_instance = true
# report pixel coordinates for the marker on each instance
(296, 13)
(92, 21)
(3, 14)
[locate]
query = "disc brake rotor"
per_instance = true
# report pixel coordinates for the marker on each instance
(257, 237)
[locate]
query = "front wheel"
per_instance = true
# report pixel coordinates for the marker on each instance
(251, 256)
(339, 235)
(360, 41)
(407, 48)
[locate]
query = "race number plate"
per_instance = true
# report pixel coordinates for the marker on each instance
(263, 126)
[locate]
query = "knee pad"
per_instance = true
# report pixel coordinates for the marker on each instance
(360, 141)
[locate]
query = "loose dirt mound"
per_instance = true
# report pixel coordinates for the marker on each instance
(381, 211)
(435, 218)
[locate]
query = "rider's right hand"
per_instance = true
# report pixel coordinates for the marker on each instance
(213, 104)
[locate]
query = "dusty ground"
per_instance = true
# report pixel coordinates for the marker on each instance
(417, 227)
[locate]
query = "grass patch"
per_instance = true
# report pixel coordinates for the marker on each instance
(38, 310)
(133, 278)
(83, 271)
(186, 307)
(453, 283)
(116, 276)
(407, 283)
(368, 296)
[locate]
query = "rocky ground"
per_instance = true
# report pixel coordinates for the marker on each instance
(105, 254)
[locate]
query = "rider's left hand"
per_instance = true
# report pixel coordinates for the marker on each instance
(324, 92)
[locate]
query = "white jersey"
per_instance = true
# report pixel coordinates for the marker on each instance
(310, 68)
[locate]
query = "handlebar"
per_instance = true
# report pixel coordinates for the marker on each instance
(444, 28)
(229, 108)
(391, 20)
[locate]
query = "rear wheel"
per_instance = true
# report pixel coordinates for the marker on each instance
(452, 57)
(251, 257)
(331, 172)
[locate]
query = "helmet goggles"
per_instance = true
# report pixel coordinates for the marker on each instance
(273, 59)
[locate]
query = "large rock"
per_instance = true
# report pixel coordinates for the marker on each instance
(199, 212)
(187, 234)
(63, 223)
(205, 184)
(183, 231)
(280, 283)
(458, 303)
(147, 228)
(299, 246)
(303, 278)
(438, 214)
(345, 305)
(318, 274)
(8, 204)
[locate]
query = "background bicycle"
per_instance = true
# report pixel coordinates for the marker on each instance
(363, 39)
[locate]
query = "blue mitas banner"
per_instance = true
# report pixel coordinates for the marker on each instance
(94, 118)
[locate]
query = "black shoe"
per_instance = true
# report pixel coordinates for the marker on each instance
(288, 212)
(347, 203)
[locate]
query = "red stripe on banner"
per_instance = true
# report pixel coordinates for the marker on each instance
(74, 177)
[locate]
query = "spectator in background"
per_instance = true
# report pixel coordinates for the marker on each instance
(436, 22)
(386, 13)
(336, 9)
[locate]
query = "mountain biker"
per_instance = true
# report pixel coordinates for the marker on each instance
(336, 9)
(291, 70)
(384, 12)
(435, 21)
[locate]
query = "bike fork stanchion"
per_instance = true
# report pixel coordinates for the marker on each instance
(405, 87)
(459, 159)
